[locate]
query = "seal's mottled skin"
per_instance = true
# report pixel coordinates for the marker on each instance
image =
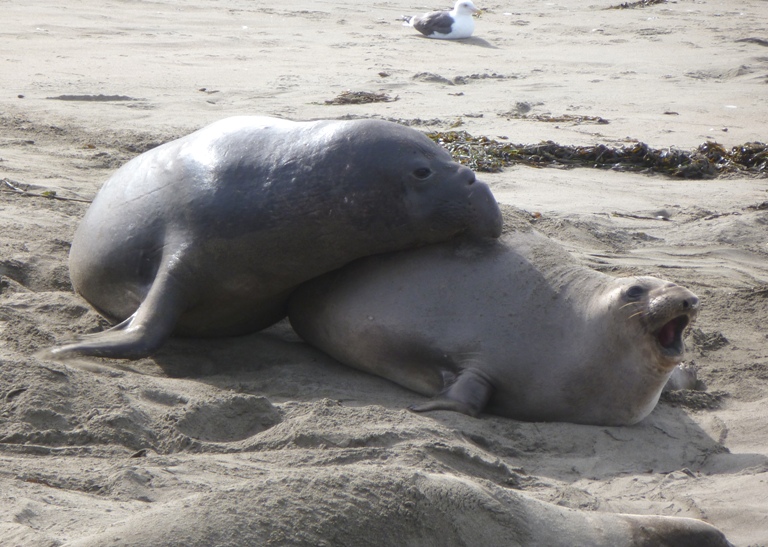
(514, 326)
(208, 234)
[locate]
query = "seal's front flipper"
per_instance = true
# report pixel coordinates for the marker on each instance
(469, 392)
(138, 336)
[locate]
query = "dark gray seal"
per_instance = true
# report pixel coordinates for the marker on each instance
(515, 326)
(207, 235)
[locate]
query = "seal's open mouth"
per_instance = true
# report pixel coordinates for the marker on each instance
(670, 336)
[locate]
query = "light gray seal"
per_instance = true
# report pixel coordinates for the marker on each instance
(515, 326)
(208, 235)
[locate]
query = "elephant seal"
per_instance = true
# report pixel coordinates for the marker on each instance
(515, 326)
(207, 235)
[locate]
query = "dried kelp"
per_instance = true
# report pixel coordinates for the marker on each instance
(707, 161)
(361, 97)
(563, 118)
(638, 4)
(431, 77)
(758, 41)
(48, 194)
(93, 98)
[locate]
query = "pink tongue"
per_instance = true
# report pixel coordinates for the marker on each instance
(667, 334)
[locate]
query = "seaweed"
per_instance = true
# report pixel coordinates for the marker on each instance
(49, 194)
(361, 97)
(431, 77)
(563, 118)
(758, 41)
(638, 4)
(707, 161)
(94, 98)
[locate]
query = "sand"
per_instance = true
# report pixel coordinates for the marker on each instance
(264, 440)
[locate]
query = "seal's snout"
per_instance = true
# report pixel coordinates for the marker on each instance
(468, 175)
(691, 303)
(674, 308)
(487, 220)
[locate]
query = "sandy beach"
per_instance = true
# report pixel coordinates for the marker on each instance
(263, 440)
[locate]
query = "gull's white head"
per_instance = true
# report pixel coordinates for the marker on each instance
(465, 7)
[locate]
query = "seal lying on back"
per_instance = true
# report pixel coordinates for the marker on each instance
(515, 326)
(207, 235)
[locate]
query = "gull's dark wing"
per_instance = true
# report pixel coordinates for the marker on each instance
(436, 21)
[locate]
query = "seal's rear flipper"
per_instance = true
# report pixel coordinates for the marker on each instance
(138, 336)
(468, 394)
(123, 341)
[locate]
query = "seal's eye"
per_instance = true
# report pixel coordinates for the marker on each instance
(422, 173)
(634, 292)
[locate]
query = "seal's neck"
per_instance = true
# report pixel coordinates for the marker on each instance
(576, 282)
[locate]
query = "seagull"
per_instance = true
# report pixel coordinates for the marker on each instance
(446, 25)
